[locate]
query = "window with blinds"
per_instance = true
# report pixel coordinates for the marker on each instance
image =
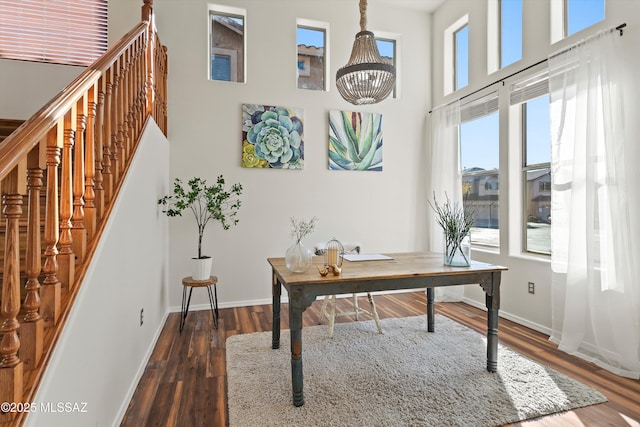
(71, 32)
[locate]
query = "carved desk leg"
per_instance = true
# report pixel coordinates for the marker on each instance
(492, 299)
(430, 311)
(296, 307)
(276, 291)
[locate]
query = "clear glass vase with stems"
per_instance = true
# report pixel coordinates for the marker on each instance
(457, 252)
(298, 258)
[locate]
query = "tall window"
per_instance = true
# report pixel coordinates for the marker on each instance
(510, 32)
(311, 62)
(479, 159)
(581, 14)
(537, 175)
(461, 57)
(54, 31)
(387, 49)
(227, 44)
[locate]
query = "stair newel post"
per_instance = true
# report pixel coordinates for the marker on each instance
(51, 286)
(165, 76)
(66, 257)
(114, 149)
(11, 367)
(78, 231)
(90, 165)
(98, 142)
(107, 175)
(147, 15)
(32, 329)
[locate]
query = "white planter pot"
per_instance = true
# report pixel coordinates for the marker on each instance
(201, 268)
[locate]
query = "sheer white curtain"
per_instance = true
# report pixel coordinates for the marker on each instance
(445, 178)
(595, 251)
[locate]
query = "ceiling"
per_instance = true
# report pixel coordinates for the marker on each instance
(422, 5)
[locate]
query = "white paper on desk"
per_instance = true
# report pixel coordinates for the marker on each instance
(366, 257)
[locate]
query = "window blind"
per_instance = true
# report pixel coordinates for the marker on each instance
(529, 89)
(479, 107)
(72, 32)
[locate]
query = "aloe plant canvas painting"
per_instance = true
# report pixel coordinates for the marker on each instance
(272, 137)
(355, 141)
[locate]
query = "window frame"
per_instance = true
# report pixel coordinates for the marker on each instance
(397, 63)
(231, 12)
(449, 65)
(325, 28)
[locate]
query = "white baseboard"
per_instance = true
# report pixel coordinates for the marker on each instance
(126, 400)
(517, 319)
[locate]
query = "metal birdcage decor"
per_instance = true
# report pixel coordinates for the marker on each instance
(334, 255)
(367, 78)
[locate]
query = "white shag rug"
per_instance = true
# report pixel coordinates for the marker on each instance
(404, 377)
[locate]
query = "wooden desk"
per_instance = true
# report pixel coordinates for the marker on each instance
(405, 271)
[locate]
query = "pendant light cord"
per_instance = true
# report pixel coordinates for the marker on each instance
(363, 15)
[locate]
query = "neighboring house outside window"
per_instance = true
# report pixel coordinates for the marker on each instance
(227, 44)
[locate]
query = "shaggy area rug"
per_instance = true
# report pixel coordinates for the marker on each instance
(404, 377)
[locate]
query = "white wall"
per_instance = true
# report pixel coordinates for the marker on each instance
(517, 303)
(103, 349)
(384, 211)
(27, 86)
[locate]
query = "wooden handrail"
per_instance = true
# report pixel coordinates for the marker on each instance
(22, 140)
(75, 151)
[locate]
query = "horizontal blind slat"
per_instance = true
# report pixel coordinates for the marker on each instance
(56, 31)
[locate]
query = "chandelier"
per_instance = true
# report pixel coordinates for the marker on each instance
(367, 78)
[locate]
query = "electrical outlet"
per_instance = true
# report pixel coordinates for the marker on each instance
(532, 288)
(141, 316)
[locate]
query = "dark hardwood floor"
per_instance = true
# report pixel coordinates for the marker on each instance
(184, 383)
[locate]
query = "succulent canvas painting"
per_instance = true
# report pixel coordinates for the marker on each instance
(355, 141)
(272, 137)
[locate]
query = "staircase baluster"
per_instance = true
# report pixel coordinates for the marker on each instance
(66, 258)
(90, 165)
(115, 121)
(78, 231)
(32, 329)
(11, 367)
(107, 174)
(51, 286)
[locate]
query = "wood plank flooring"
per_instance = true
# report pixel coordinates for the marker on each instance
(184, 383)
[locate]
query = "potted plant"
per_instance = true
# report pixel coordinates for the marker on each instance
(456, 223)
(206, 202)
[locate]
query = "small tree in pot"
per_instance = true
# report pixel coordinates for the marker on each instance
(206, 202)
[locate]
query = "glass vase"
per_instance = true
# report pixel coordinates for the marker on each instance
(457, 253)
(298, 258)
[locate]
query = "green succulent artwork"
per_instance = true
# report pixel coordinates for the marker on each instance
(355, 141)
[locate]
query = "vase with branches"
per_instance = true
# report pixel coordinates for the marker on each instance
(456, 222)
(298, 258)
(207, 202)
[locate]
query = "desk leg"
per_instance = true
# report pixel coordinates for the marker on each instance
(430, 311)
(276, 290)
(295, 324)
(492, 340)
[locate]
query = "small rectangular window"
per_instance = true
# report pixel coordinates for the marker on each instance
(461, 56)
(311, 64)
(510, 32)
(581, 14)
(537, 175)
(387, 50)
(227, 45)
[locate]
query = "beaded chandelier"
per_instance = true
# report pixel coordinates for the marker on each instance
(367, 78)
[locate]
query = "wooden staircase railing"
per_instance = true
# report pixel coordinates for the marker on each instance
(72, 155)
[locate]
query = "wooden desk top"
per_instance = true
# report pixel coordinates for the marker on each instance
(407, 264)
